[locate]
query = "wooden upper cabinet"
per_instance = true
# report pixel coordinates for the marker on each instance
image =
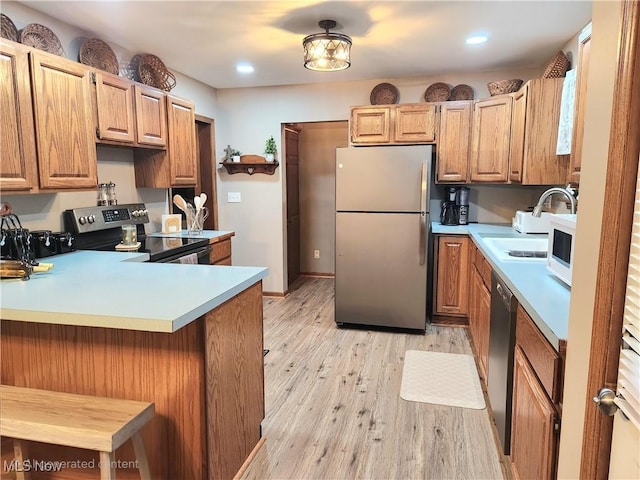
(64, 122)
(182, 141)
(580, 102)
(534, 134)
(453, 142)
(393, 124)
(114, 104)
(452, 278)
(490, 139)
(178, 164)
(415, 123)
(151, 116)
(18, 167)
(371, 124)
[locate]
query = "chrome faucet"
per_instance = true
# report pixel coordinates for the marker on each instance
(567, 192)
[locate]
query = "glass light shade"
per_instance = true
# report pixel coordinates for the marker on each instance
(327, 52)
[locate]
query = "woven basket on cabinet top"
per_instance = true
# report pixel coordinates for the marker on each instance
(557, 67)
(504, 86)
(41, 37)
(96, 53)
(152, 72)
(8, 28)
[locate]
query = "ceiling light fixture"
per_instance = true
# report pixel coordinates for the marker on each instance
(244, 68)
(477, 39)
(327, 52)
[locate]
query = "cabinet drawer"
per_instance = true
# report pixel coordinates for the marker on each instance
(483, 267)
(220, 251)
(541, 355)
(224, 261)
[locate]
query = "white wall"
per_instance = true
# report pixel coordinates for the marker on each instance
(597, 123)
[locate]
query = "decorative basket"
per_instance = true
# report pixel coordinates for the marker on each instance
(8, 29)
(152, 72)
(40, 37)
(504, 86)
(96, 53)
(384, 94)
(557, 67)
(461, 92)
(437, 92)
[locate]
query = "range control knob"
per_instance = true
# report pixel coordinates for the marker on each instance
(135, 214)
(82, 220)
(91, 218)
(145, 212)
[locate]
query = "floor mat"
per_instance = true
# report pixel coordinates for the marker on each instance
(441, 378)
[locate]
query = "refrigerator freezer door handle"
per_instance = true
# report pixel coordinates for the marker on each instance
(423, 216)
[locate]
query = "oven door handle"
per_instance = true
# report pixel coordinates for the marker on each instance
(202, 253)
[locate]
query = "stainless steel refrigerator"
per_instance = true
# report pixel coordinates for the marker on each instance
(382, 235)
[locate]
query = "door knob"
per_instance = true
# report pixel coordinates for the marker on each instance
(605, 403)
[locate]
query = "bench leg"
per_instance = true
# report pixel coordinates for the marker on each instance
(141, 457)
(20, 452)
(107, 466)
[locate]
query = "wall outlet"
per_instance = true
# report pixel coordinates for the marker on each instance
(316, 254)
(234, 197)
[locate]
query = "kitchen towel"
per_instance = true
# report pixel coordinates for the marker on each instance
(441, 378)
(567, 102)
(192, 259)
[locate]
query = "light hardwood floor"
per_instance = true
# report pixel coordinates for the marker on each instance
(333, 406)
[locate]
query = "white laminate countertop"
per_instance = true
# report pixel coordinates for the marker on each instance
(545, 298)
(119, 290)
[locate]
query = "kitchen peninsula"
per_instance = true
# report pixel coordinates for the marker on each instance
(186, 337)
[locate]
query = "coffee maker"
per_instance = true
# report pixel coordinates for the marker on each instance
(462, 205)
(448, 212)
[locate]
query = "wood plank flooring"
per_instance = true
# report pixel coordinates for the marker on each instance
(333, 406)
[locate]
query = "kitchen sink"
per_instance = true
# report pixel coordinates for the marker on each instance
(517, 248)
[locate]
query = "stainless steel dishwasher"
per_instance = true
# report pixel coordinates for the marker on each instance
(502, 341)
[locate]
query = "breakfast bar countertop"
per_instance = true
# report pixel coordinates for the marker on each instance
(545, 298)
(120, 290)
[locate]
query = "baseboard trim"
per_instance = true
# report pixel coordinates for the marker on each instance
(450, 321)
(317, 274)
(275, 294)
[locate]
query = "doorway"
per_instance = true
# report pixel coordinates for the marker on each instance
(311, 193)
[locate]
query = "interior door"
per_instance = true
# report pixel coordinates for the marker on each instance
(293, 205)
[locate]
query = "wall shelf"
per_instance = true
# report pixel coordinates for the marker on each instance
(249, 165)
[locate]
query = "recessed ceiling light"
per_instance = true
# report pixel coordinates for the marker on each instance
(476, 39)
(244, 68)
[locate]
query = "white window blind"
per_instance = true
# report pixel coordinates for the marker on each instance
(628, 391)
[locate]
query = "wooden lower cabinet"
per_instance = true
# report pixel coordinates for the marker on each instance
(537, 393)
(533, 436)
(479, 310)
(220, 252)
(452, 275)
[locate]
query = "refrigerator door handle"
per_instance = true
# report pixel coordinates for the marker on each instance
(422, 254)
(422, 249)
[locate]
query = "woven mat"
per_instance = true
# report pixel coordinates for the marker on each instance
(441, 378)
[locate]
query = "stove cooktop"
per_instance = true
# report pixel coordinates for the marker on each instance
(159, 249)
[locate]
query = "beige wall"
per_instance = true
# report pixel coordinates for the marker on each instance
(318, 143)
(606, 22)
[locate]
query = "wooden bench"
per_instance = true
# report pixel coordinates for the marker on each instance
(81, 421)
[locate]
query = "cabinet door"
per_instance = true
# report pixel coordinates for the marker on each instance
(151, 116)
(580, 104)
(533, 438)
(18, 170)
(65, 128)
(453, 142)
(453, 276)
(518, 123)
(114, 97)
(182, 141)
(490, 141)
(415, 123)
(484, 324)
(371, 125)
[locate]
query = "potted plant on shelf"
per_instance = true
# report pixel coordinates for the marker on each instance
(270, 149)
(235, 155)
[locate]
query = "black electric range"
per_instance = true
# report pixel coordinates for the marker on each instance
(99, 228)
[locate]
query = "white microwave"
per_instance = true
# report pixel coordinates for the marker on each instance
(562, 240)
